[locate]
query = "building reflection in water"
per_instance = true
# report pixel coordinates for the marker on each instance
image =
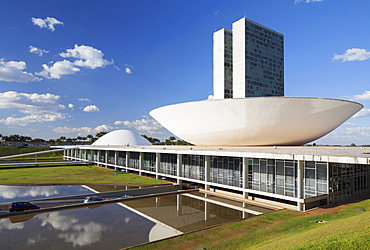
(113, 227)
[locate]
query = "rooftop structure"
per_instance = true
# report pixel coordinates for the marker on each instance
(249, 107)
(255, 120)
(121, 138)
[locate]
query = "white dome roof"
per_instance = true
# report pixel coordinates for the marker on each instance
(121, 138)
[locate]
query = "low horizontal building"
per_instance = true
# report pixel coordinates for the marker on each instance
(295, 177)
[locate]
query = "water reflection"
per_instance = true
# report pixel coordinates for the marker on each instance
(187, 213)
(8, 225)
(71, 230)
(11, 193)
(112, 227)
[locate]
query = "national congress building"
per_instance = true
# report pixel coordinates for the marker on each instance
(245, 138)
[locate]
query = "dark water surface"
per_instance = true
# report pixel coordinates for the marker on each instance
(110, 226)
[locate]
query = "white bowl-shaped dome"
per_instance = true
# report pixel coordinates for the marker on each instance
(121, 138)
(255, 120)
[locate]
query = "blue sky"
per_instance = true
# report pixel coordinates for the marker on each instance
(72, 67)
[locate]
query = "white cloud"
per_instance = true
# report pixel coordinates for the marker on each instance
(58, 69)
(91, 108)
(23, 121)
(307, 1)
(141, 125)
(83, 131)
(13, 71)
(38, 107)
(154, 133)
(47, 23)
(83, 99)
(29, 103)
(364, 97)
(86, 56)
(354, 54)
(38, 51)
(89, 57)
(363, 113)
(345, 135)
(128, 70)
(71, 106)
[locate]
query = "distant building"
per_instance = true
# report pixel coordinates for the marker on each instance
(248, 61)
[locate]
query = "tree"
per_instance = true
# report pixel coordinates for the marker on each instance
(38, 139)
(151, 139)
(62, 138)
(100, 134)
(90, 137)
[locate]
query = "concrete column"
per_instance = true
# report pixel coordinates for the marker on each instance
(141, 160)
(157, 161)
(207, 210)
(106, 157)
(300, 183)
(207, 166)
(127, 159)
(98, 157)
(179, 168)
(245, 177)
(115, 160)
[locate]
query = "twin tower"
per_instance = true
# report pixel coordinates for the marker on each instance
(248, 61)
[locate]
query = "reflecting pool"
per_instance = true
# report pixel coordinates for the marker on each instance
(113, 226)
(104, 227)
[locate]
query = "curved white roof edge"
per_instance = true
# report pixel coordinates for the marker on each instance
(121, 138)
(255, 121)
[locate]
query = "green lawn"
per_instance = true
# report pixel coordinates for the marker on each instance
(348, 228)
(68, 174)
(10, 150)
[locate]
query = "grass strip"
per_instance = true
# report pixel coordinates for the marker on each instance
(69, 174)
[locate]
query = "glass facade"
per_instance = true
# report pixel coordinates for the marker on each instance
(348, 180)
(111, 157)
(273, 176)
(228, 67)
(264, 57)
(226, 170)
(315, 178)
(277, 176)
(193, 166)
(134, 160)
(102, 156)
(168, 164)
(95, 155)
(121, 158)
(149, 162)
